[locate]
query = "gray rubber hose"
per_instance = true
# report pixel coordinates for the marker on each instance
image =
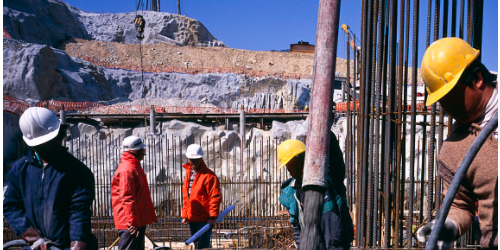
(455, 183)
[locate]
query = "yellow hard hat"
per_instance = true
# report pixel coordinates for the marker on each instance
(443, 63)
(289, 149)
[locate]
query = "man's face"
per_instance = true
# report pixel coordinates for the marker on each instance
(141, 153)
(295, 167)
(50, 150)
(195, 164)
(465, 103)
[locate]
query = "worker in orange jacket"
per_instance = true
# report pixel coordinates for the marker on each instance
(201, 195)
(133, 209)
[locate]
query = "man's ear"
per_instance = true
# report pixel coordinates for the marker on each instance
(479, 80)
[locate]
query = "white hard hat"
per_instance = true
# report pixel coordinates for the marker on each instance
(194, 151)
(38, 125)
(132, 143)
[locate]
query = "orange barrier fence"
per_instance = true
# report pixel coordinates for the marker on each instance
(194, 71)
(6, 33)
(72, 106)
(342, 106)
(16, 106)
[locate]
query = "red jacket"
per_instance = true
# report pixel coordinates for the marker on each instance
(205, 198)
(132, 205)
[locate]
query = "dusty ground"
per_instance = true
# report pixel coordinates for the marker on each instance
(162, 54)
(197, 57)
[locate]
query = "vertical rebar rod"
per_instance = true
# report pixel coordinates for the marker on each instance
(348, 117)
(432, 132)
(371, 117)
(361, 123)
(445, 18)
(390, 94)
(478, 26)
(400, 176)
(462, 16)
(376, 120)
(453, 18)
(470, 6)
(366, 121)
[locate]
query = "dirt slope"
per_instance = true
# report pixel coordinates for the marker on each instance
(196, 57)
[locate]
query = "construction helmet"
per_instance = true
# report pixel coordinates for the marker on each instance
(194, 151)
(132, 143)
(289, 149)
(38, 125)
(443, 63)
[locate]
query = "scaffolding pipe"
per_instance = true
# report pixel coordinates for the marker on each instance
(318, 139)
(152, 120)
(242, 130)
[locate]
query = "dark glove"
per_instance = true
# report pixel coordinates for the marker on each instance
(78, 245)
(31, 235)
(448, 234)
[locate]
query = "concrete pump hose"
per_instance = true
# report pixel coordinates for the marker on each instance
(455, 183)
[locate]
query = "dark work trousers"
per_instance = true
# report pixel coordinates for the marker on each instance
(204, 240)
(130, 242)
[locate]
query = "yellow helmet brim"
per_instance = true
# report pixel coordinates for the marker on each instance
(435, 96)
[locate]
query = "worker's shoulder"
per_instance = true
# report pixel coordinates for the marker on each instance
(210, 173)
(127, 167)
(20, 164)
(76, 166)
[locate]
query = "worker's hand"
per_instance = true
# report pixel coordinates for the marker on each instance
(184, 221)
(133, 231)
(31, 235)
(211, 222)
(78, 245)
(448, 234)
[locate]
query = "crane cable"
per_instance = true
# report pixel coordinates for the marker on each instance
(140, 23)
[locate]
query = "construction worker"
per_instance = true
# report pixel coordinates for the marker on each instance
(201, 195)
(49, 195)
(133, 209)
(336, 224)
(467, 91)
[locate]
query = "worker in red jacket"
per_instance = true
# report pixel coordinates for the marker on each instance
(201, 195)
(133, 209)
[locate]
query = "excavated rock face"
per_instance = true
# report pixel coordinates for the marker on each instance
(52, 22)
(160, 27)
(30, 71)
(42, 22)
(37, 72)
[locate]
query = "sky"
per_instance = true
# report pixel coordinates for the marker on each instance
(263, 25)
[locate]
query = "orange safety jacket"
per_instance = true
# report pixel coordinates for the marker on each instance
(130, 196)
(204, 200)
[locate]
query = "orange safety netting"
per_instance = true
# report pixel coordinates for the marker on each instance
(14, 105)
(6, 33)
(354, 106)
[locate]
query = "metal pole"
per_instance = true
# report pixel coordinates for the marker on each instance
(152, 120)
(62, 117)
(376, 134)
(318, 139)
(242, 127)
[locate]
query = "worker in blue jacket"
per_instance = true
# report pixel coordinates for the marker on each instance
(49, 195)
(336, 224)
